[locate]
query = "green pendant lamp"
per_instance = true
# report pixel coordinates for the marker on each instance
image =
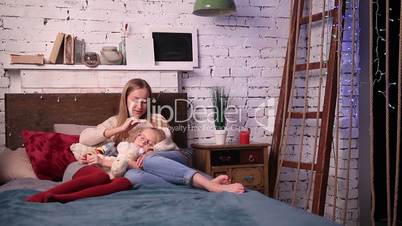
(214, 7)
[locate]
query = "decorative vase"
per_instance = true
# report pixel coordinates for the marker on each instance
(220, 137)
(110, 55)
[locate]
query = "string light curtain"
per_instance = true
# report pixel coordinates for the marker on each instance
(385, 115)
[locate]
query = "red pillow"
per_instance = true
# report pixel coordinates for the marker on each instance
(49, 153)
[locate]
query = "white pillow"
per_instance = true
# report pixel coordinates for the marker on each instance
(15, 165)
(70, 129)
(167, 144)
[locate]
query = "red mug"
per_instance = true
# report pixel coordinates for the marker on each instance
(245, 137)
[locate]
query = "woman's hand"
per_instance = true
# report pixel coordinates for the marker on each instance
(129, 124)
(95, 159)
(125, 127)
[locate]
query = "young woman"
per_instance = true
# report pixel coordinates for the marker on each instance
(164, 168)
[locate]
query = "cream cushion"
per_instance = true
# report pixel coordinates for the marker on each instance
(70, 129)
(15, 165)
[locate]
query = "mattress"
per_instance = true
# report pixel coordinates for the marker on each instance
(150, 206)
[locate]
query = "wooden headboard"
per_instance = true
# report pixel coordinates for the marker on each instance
(41, 111)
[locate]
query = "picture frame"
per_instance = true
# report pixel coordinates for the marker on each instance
(182, 47)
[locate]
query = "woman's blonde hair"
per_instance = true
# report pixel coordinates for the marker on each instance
(131, 85)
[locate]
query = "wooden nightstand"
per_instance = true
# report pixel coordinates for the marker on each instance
(243, 163)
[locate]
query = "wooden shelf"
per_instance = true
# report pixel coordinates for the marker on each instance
(98, 68)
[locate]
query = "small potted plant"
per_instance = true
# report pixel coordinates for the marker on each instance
(220, 103)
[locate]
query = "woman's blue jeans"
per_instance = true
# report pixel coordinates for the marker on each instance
(162, 169)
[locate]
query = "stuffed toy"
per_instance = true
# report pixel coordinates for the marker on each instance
(124, 152)
(127, 151)
(107, 149)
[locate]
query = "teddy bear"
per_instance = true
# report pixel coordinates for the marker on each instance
(124, 152)
(79, 149)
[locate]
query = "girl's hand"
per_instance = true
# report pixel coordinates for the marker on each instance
(140, 161)
(132, 164)
(83, 159)
(95, 159)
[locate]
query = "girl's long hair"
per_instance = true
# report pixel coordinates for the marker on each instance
(131, 85)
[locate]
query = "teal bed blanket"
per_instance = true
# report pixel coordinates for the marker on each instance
(155, 206)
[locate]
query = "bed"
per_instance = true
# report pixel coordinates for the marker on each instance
(144, 206)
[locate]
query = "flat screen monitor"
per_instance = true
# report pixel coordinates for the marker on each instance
(175, 46)
(172, 46)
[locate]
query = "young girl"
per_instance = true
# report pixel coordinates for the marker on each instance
(98, 183)
(115, 158)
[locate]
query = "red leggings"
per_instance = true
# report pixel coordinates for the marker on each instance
(89, 181)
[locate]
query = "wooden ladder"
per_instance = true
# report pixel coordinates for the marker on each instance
(321, 165)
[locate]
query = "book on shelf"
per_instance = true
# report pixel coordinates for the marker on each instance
(79, 50)
(27, 59)
(56, 55)
(68, 53)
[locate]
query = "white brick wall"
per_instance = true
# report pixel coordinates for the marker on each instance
(244, 53)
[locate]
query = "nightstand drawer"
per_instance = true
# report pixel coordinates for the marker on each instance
(252, 157)
(225, 157)
(248, 176)
(237, 157)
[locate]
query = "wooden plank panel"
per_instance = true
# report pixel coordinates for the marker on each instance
(41, 111)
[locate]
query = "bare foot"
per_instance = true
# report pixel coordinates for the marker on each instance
(221, 179)
(235, 188)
